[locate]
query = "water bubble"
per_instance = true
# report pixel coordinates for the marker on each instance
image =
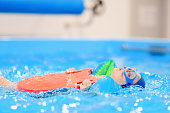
(26, 67)
(52, 108)
(14, 107)
(14, 68)
(136, 104)
(42, 110)
(106, 95)
(147, 73)
(141, 99)
(77, 98)
(65, 109)
(139, 109)
(15, 99)
(112, 103)
(39, 103)
(24, 106)
(137, 100)
(132, 112)
(168, 108)
(44, 103)
(5, 96)
(54, 100)
(74, 104)
(166, 102)
(146, 97)
(166, 96)
(119, 109)
(50, 100)
(18, 73)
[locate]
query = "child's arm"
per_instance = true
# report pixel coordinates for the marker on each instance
(5, 82)
(87, 83)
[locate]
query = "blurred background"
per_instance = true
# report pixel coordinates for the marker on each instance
(112, 19)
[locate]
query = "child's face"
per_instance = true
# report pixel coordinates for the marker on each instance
(119, 77)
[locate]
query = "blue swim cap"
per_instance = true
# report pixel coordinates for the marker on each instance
(141, 82)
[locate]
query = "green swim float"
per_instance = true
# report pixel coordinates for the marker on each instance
(106, 68)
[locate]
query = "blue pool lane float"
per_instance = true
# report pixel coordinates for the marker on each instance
(42, 6)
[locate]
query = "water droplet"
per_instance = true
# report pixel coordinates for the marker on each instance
(77, 98)
(18, 73)
(65, 109)
(14, 107)
(106, 95)
(14, 69)
(168, 107)
(119, 109)
(136, 104)
(52, 108)
(74, 104)
(26, 67)
(42, 110)
(139, 109)
(137, 100)
(24, 106)
(39, 103)
(166, 96)
(44, 103)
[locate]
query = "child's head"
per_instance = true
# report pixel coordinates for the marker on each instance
(128, 77)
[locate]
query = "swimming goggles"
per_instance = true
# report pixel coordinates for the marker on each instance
(130, 75)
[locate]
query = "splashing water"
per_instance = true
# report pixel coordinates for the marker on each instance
(154, 98)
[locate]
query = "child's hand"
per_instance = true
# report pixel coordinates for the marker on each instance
(86, 83)
(70, 70)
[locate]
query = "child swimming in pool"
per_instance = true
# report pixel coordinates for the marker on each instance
(108, 79)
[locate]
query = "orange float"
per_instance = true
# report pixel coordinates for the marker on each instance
(56, 80)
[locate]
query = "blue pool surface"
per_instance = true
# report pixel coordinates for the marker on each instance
(22, 59)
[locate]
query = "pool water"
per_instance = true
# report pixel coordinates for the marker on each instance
(22, 59)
